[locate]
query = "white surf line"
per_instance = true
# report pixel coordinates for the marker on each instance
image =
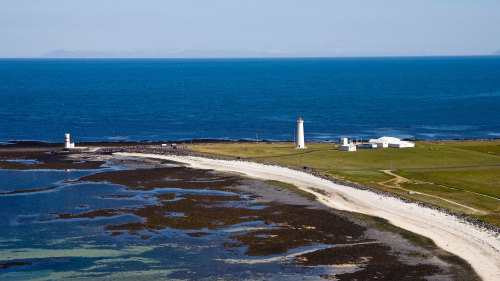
(479, 247)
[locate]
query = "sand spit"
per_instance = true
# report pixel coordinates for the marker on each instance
(480, 247)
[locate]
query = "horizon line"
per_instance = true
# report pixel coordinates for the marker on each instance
(256, 57)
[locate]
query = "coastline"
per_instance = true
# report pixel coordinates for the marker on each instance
(28, 142)
(98, 148)
(476, 242)
(478, 246)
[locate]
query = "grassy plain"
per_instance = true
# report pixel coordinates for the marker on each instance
(460, 175)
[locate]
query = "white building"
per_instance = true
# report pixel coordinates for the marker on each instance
(380, 143)
(300, 134)
(392, 142)
(348, 147)
(402, 144)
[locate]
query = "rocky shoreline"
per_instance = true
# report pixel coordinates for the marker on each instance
(108, 148)
(265, 223)
(184, 152)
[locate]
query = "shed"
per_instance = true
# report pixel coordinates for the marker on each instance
(402, 144)
(348, 147)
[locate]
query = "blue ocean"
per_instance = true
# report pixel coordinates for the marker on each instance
(180, 99)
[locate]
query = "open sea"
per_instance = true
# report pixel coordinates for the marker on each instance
(178, 99)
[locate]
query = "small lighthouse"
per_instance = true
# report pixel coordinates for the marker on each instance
(67, 144)
(300, 134)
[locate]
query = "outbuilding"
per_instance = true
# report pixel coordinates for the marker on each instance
(392, 142)
(402, 144)
(348, 147)
(380, 143)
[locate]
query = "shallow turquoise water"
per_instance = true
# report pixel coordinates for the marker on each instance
(81, 247)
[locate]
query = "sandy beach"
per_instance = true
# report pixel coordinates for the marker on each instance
(480, 247)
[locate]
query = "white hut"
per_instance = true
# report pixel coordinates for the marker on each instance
(348, 147)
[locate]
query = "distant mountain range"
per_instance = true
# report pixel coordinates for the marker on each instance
(84, 54)
(193, 53)
(61, 53)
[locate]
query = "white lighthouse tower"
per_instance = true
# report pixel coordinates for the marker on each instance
(300, 134)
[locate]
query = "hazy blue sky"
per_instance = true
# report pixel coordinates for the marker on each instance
(30, 28)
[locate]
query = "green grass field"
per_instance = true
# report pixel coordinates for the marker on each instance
(485, 180)
(454, 175)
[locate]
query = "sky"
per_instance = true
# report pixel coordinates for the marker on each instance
(248, 28)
